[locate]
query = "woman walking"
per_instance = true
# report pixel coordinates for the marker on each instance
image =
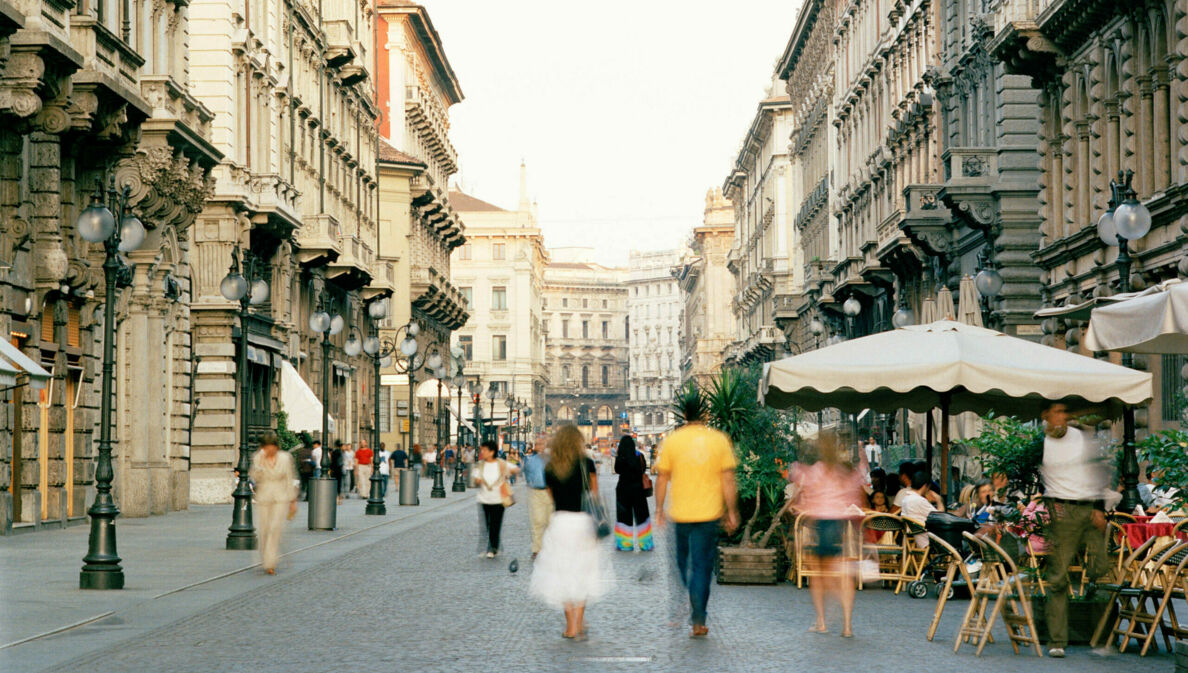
(566, 573)
(632, 523)
(828, 489)
(490, 476)
(275, 477)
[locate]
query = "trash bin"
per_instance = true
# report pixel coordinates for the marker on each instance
(410, 483)
(323, 504)
(949, 528)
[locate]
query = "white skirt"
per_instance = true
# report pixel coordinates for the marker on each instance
(568, 569)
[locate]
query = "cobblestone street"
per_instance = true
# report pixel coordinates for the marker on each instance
(419, 598)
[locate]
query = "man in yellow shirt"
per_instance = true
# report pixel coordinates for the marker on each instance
(697, 465)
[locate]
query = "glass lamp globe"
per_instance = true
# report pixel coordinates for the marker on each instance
(131, 233)
(336, 324)
(352, 347)
(386, 361)
(439, 373)
(435, 360)
(96, 223)
(259, 291)
(852, 307)
(1105, 229)
(903, 317)
(234, 286)
(319, 322)
(408, 346)
(1132, 220)
(457, 352)
(413, 328)
(459, 381)
(377, 309)
(988, 283)
(817, 327)
(371, 345)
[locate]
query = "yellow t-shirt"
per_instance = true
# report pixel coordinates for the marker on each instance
(695, 457)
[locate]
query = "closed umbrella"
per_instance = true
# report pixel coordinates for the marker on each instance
(928, 311)
(948, 365)
(969, 310)
(944, 305)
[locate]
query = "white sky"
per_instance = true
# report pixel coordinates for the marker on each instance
(626, 113)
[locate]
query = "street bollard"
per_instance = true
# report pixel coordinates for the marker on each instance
(323, 504)
(410, 483)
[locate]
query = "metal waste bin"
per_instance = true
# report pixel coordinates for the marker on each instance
(410, 483)
(323, 504)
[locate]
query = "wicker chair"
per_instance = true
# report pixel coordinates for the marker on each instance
(890, 555)
(998, 581)
(1143, 616)
(945, 589)
(1132, 576)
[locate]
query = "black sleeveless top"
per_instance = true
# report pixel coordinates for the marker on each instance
(567, 493)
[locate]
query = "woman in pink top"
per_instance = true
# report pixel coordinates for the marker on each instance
(828, 489)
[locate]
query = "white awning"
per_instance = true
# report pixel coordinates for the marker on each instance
(299, 402)
(13, 363)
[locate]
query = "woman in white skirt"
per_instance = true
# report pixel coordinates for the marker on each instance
(567, 573)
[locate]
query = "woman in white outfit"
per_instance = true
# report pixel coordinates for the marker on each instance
(275, 477)
(566, 574)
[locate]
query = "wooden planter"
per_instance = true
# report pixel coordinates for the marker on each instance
(738, 565)
(1083, 617)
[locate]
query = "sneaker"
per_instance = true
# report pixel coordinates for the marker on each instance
(1056, 652)
(490, 554)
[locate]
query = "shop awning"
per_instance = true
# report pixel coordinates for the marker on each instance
(14, 364)
(299, 402)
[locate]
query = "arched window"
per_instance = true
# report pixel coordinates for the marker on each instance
(585, 376)
(605, 413)
(605, 375)
(565, 374)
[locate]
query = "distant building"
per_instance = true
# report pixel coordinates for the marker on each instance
(500, 272)
(655, 311)
(585, 310)
(707, 288)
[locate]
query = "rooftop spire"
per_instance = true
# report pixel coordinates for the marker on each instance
(525, 203)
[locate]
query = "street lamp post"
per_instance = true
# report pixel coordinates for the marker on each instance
(380, 353)
(459, 481)
(323, 494)
(476, 391)
(438, 483)
(248, 290)
(817, 328)
(413, 362)
(1125, 220)
(118, 233)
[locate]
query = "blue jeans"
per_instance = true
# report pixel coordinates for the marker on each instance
(696, 544)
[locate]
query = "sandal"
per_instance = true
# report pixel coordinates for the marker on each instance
(699, 631)
(818, 629)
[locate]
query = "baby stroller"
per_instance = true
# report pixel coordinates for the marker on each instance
(931, 565)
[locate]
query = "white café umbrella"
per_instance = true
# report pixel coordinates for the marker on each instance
(948, 365)
(969, 309)
(1152, 321)
(944, 305)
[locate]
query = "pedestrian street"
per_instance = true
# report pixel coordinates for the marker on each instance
(412, 594)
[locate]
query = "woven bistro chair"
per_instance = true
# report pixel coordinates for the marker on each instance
(1143, 616)
(999, 591)
(804, 536)
(1129, 585)
(956, 565)
(889, 548)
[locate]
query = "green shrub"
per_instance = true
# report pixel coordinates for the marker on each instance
(1012, 447)
(1167, 453)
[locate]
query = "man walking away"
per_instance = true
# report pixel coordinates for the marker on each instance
(540, 503)
(385, 469)
(305, 469)
(363, 469)
(1075, 481)
(399, 459)
(697, 466)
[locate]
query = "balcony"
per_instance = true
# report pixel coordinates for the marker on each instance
(383, 281)
(275, 203)
(926, 221)
(971, 174)
(426, 115)
(319, 241)
(352, 269)
(433, 294)
(340, 43)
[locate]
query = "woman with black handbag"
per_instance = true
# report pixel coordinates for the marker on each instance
(632, 523)
(567, 572)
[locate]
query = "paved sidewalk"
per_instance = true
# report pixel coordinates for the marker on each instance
(171, 563)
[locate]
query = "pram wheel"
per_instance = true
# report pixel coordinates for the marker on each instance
(940, 588)
(917, 589)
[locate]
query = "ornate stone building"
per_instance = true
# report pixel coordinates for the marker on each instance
(655, 313)
(500, 272)
(290, 87)
(707, 288)
(96, 95)
(585, 311)
(767, 259)
(419, 225)
(1111, 92)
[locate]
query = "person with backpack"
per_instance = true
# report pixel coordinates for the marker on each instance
(305, 469)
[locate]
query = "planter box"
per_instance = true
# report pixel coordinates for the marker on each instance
(1083, 617)
(737, 565)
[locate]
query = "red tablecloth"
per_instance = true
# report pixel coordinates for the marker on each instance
(1138, 533)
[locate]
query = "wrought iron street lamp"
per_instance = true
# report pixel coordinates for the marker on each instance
(414, 360)
(380, 351)
(119, 232)
(323, 495)
(476, 393)
(494, 393)
(1125, 220)
(459, 480)
(455, 363)
(249, 289)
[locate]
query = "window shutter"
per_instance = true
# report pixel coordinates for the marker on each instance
(47, 323)
(72, 320)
